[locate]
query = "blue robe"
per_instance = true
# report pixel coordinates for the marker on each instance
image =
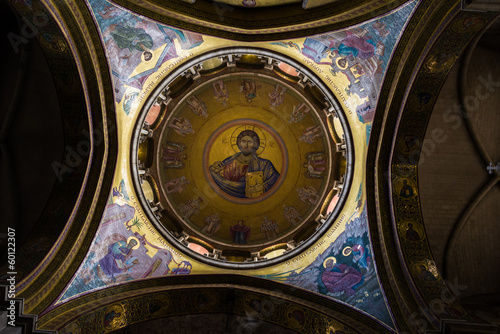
(116, 251)
(256, 164)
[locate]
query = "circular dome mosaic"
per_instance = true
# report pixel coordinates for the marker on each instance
(241, 157)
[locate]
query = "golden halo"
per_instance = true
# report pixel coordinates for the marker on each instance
(347, 251)
(117, 321)
(72, 328)
(258, 131)
(341, 67)
(437, 305)
(329, 258)
(138, 243)
(144, 58)
(332, 329)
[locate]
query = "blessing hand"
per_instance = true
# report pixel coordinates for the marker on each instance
(217, 166)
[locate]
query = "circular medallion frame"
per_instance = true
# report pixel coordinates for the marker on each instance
(241, 125)
(326, 211)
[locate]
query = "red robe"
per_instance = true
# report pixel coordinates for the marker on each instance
(341, 281)
(234, 171)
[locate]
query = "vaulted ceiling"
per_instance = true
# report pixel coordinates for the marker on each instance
(379, 120)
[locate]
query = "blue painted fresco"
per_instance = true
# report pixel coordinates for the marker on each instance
(119, 255)
(131, 40)
(361, 53)
(345, 271)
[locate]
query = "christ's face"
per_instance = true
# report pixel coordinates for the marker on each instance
(247, 145)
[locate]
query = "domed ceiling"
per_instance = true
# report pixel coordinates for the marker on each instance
(245, 159)
(258, 20)
(234, 151)
(240, 159)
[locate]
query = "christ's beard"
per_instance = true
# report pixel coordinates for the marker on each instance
(247, 152)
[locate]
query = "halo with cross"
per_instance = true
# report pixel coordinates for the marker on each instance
(256, 129)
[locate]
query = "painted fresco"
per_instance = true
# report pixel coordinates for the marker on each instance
(122, 250)
(256, 307)
(253, 175)
(356, 57)
(252, 186)
(130, 41)
(354, 62)
(344, 271)
(351, 62)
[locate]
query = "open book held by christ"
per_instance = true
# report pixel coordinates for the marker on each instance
(253, 179)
